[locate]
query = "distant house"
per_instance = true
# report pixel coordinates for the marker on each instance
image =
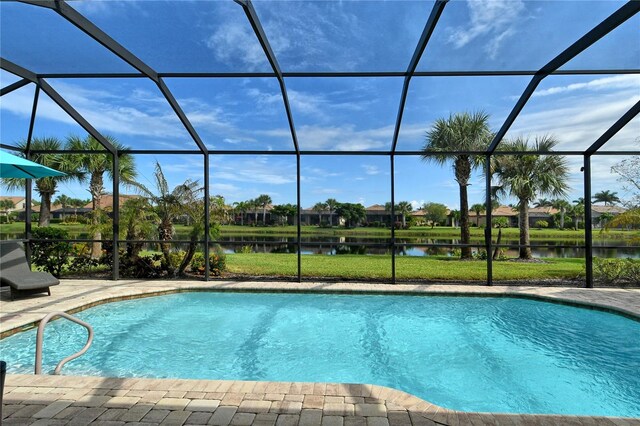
(19, 206)
(598, 211)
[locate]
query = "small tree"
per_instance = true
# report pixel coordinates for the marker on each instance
(540, 224)
(283, 212)
(434, 213)
(320, 208)
(263, 201)
(352, 213)
(5, 206)
(478, 209)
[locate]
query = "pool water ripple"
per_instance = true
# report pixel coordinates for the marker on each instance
(464, 353)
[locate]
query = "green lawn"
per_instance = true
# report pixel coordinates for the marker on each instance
(477, 234)
(379, 266)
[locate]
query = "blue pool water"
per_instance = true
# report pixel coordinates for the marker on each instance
(464, 353)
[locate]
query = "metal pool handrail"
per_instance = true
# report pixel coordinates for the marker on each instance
(40, 337)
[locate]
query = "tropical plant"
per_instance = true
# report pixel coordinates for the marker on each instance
(576, 213)
(526, 176)
(351, 213)
(51, 256)
(5, 206)
(542, 202)
(499, 222)
(404, 208)
(320, 208)
(64, 201)
(95, 165)
(604, 219)
(332, 205)
(434, 213)
(241, 207)
(168, 205)
(460, 132)
(263, 201)
(455, 217)
(562, 206)
(609, 198)
(137, 217)
(283, 212)
(253, 205)
(46, 186)
(541, 224)
(478, 208)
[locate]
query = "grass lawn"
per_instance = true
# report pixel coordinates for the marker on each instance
(477, 234)
(379, 266)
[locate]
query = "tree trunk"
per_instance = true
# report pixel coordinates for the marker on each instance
(96, 188)
(497, 249)
(165, 231)
(264, 216)
(319, 219)
(561, 218)
(45, 208)
(465, 234)
(188, 256)
(525, 251)
(330, 218)
(255, 217)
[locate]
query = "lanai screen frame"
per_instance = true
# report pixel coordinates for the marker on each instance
(624, 13)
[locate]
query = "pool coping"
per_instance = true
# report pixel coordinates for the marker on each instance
(259, 403)
(72, 296)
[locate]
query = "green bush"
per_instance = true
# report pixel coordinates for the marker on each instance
(623, 272)
(51, 256)
(540, 224)
(217, 262)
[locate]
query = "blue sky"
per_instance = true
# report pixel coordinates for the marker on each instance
(329, 113)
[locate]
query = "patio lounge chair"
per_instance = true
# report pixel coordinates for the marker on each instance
(15, 272)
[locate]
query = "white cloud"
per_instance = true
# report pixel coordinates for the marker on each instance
(370, 170)
(497, 19)
(618, 82)
(235, 42)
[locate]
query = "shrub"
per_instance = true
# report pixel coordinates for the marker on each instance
(51, 256)
(540, 224)
(623, 272)
(217, 262)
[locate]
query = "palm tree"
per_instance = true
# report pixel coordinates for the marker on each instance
(64, 201)
(609, 198)
(460, 132)
(46, 186)
(241, 207)
(455, 217)
(77, 203)
(169, 204)
(527, 176)
(577, 213)
(404, 208)
(478, 208)
(542, 202)
(263, 201)
(95, 165)
(332, 205)
(320, 208)
(563, 206)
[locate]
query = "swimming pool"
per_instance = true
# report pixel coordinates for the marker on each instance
(464, 353)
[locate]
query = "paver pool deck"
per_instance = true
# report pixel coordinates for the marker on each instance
(62, 400)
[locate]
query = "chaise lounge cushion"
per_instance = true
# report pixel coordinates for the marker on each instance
(15, 271)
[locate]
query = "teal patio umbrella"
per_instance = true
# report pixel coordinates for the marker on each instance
(12, 166)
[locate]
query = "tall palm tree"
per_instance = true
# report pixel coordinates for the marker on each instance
(320, 208)
(562, 206)
(332, 205)
(609, 198)
(263, 201)
(46, 186)
(577, 213)
(404, 208)
(95, 165)
(460, 132)
(478, 208)
(525, 177)
(168, 205)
